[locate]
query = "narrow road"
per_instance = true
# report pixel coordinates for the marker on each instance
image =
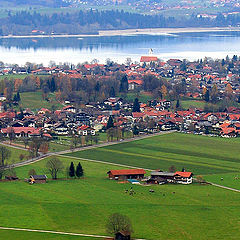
(228, 188)
(13, 146)
(60, 233)
(33, 160)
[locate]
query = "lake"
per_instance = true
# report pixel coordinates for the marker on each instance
(75, 50)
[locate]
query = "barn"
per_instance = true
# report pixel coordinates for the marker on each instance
(38, 179)
(124, 174)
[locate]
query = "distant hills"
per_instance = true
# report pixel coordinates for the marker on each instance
(46, 3)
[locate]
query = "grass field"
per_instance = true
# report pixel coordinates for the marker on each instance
(200, 154)
(15, 153)
(171, 212)
(33, 100)
(83, 205)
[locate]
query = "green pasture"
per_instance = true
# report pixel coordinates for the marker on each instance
(199, 154)
(83, 205)
(34, 101)
(15, 153)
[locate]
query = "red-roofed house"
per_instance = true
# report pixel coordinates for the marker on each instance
(183, 177)
(124, 174)
(148, 59)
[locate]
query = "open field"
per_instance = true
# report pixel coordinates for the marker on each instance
(15, 153)
(82, 206)
(199, 154)
(33, 100)
(171, 212)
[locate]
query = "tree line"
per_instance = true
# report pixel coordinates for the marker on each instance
(91, 21)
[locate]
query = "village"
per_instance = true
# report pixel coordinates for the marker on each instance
(215, 84)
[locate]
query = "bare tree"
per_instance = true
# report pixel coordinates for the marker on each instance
(118, 222)
(4, 155)
(54, 166)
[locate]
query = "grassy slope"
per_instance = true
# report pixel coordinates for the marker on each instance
(15, 153)
(202, 155)
(83, 206)
(33, 100)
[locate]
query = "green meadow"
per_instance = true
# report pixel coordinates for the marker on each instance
(34, 101)
(199, 154)
(14, 156)
(172, 212)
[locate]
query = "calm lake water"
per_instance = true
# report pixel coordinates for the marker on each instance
(77, 50)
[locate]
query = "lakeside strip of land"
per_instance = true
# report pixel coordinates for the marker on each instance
(128, 32)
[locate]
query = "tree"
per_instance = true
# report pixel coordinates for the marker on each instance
(214, 93)
(35, 145)
(164, 91)
(136, 106)
(4, 155)
(135, 130)
(110, 123)
(123, 84)
(172, 169)
(79, 170)
(2, 171)
(71, 172)
(206, 96)
(54, 166)
(118, 222)
(21, 157)
(25, 141)
(44, 147)
(178, 104)
(32, 172)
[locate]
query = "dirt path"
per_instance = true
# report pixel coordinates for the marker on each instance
(228, 188)
(60, 233)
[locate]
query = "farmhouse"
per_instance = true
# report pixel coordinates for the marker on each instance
(37, 179)
(159, 177)
(183, 177)
(124, 174)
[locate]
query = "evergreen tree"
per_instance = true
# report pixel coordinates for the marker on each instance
(178, 104)
(79, 170)
(18, 97)
(110, 123)
(52, 85)
(71, 170)
(136, 106)
(15, 98)
(124, 84)
(112, 92)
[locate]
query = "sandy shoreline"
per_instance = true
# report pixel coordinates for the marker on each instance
(127, 32)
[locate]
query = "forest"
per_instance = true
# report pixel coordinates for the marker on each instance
(91, 21)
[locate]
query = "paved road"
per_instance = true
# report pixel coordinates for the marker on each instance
(60, 233)
(42, 156)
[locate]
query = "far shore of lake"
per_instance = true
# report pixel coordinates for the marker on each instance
(127, 32)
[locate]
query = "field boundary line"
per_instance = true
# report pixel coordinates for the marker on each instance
(56, 232)
(97, 161)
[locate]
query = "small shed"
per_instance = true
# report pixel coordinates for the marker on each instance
(38, 179)
(123, 235)
(11, 178)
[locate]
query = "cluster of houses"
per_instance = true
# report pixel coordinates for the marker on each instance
(154, 116)
(87, 121)
(156, 177)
